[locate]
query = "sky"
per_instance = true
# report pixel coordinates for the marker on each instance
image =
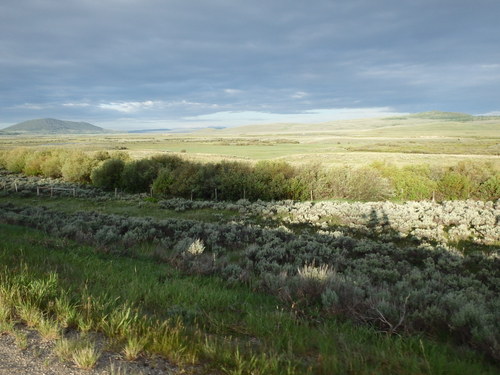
(132, 64)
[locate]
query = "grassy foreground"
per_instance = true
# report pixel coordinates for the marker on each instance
(147, 308)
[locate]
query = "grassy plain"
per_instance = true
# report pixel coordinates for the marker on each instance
(401, 141)
(121, 207)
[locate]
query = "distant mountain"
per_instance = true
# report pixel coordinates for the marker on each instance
(53, 126)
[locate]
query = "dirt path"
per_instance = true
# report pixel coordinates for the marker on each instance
(38, 359)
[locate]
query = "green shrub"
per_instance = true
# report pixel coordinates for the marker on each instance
(101, 155)
(205, 181)
(311, 181)
(481, 176)
(476, 171)
(233, 180)
(109, 174)
(138, 175)
(3, 159)
(185, 181)
(454, 185)
(163, 183)
(271, 180)
(77, 167)
(52, 165)
(368, 184)
(33, 162)
(168, 161)
(409, 183)
(364, 183)
(490, 189)
(15, 160)
(121, 155)
(171, 176)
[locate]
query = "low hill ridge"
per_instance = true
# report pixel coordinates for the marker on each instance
(439, 115)
(419, 124)
(53, 126)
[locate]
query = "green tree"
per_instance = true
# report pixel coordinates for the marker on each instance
(15, 160)
(272, 180)
(163, 183)
(233, 180)
(138, 175)
(77, 167)
(109, 174)
(34, 161)
(186, 181)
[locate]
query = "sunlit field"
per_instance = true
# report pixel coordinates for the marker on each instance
(354, 142)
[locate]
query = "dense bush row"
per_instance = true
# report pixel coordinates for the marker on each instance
(411, 287)
(466, 224)
(172, 176)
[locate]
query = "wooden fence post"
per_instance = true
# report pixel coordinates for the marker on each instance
(116, 192)
(215, 193)
(74, 192)
(51, 191)
(15, 186)
(38, 191)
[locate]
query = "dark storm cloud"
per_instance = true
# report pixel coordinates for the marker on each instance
(175, 60)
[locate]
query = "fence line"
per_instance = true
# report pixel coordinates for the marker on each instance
(52, 189)
(39, 189)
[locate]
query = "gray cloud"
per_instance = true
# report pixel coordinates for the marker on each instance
(216, 56)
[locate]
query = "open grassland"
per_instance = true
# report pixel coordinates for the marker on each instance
(401, 141)
(328, 150)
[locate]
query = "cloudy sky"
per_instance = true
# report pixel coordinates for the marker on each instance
(126, 64)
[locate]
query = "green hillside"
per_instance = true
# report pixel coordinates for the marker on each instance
(53, 126)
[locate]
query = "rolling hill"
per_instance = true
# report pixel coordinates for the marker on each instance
(53, 126)
(433, 123)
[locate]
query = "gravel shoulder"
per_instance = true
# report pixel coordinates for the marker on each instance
(37, 358)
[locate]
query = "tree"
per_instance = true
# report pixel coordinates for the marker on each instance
(138, 175)
(78, 167)
(109, 174)
(453, 185)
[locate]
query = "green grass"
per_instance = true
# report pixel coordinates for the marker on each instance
(452, 147)
(201, 320)
(119, 207)
(436, 129)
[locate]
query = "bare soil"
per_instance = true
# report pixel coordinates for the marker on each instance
(38, 358)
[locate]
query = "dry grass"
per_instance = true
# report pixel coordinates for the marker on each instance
(81, 351)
